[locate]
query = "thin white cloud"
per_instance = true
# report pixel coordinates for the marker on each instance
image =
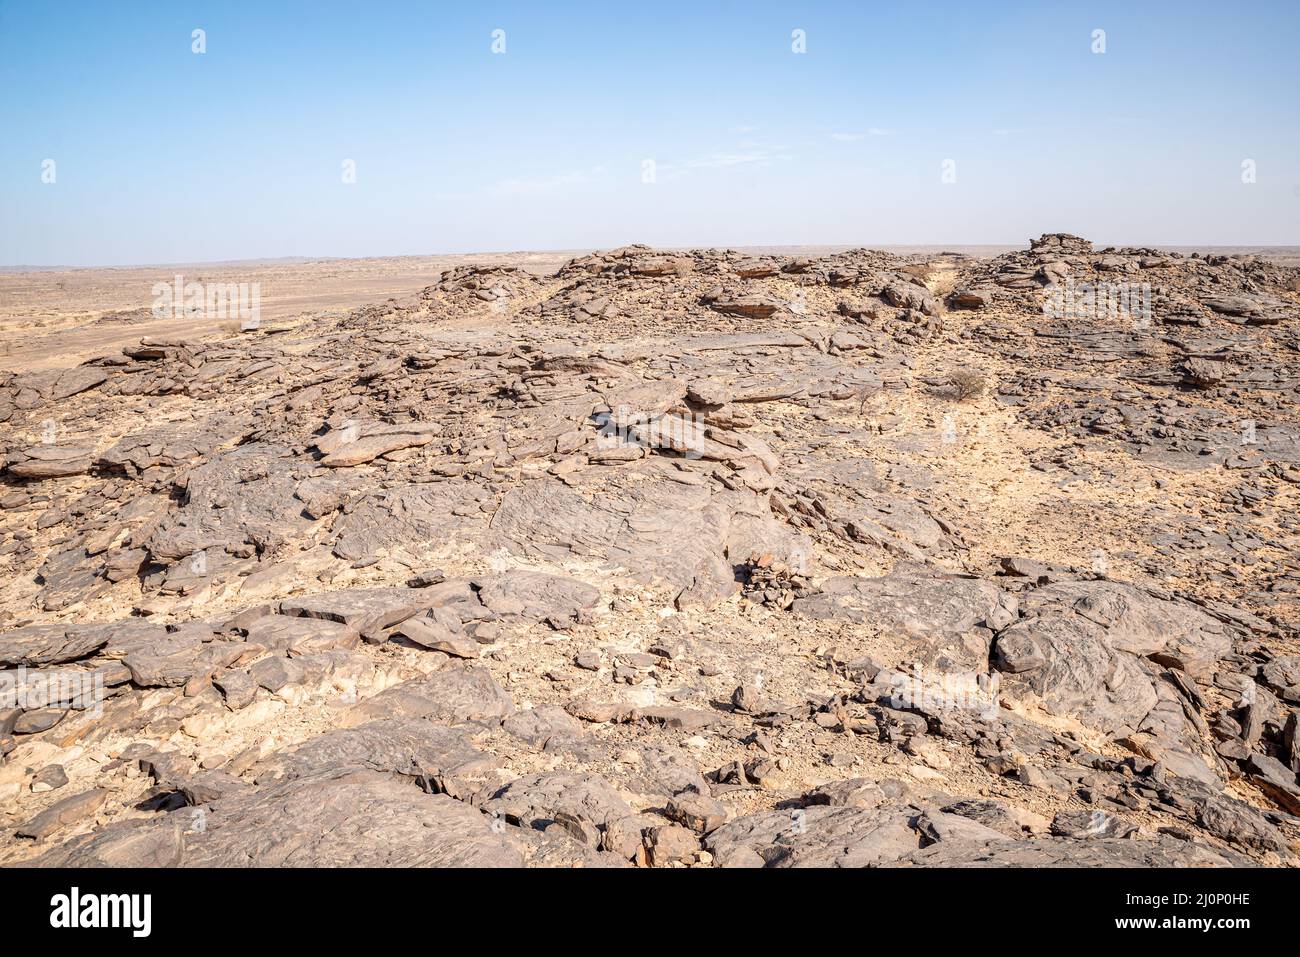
(854, 137)
(726, 159)
(544, 185)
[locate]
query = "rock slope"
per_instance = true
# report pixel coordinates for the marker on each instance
(672, 559)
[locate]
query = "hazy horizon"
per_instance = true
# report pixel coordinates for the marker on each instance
(320, 131)
(992, 248)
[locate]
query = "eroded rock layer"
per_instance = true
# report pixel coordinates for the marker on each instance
(672, 559)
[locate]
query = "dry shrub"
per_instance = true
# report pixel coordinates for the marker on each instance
(967, 384)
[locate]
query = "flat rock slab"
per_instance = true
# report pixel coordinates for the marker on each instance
(538, 799)
(436, 636)
(459, 692)
(539, 596)
(406, 518)
(1139, 623)
(817, 837)
(677, 718)
(347, 818)
(1094, 651)
(1164, 851)
(363, 609)
(542, 726)
(51, 461)
(77, 380)
(405, 746)
(946, 621)
(285, 634)
(130, 843)
(1068, 664)
(641, 518)
(180, 656)
(68, 811)
(355, 444)
(233, 499)
(49, 644)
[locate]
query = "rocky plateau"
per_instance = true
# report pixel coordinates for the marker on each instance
(671, 559)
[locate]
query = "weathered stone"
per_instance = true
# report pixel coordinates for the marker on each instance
(293, 635)
(815, 837)
(947, 621)
(536, 800)
(49, 644)
(457, 693)
(344, 818)
(1089, 825)
(357, 443)
(179, 657)
(69, 811)
(696, 811)
(362, 609)
(671, 844)
(440, 631)
(405, 746)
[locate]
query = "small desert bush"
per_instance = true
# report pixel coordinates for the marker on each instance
(966, 384)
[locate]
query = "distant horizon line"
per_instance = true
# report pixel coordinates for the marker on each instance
(581, 250)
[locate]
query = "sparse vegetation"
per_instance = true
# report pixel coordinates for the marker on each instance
(967, 384)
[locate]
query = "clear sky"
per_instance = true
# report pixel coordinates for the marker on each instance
(165, 155)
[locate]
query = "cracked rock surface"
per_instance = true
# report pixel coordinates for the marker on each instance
(686, 559)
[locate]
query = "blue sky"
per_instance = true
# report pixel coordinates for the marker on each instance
(164, 155)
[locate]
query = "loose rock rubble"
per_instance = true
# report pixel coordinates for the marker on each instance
(672, 560)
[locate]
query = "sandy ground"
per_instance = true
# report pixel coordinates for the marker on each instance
(96, 311)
